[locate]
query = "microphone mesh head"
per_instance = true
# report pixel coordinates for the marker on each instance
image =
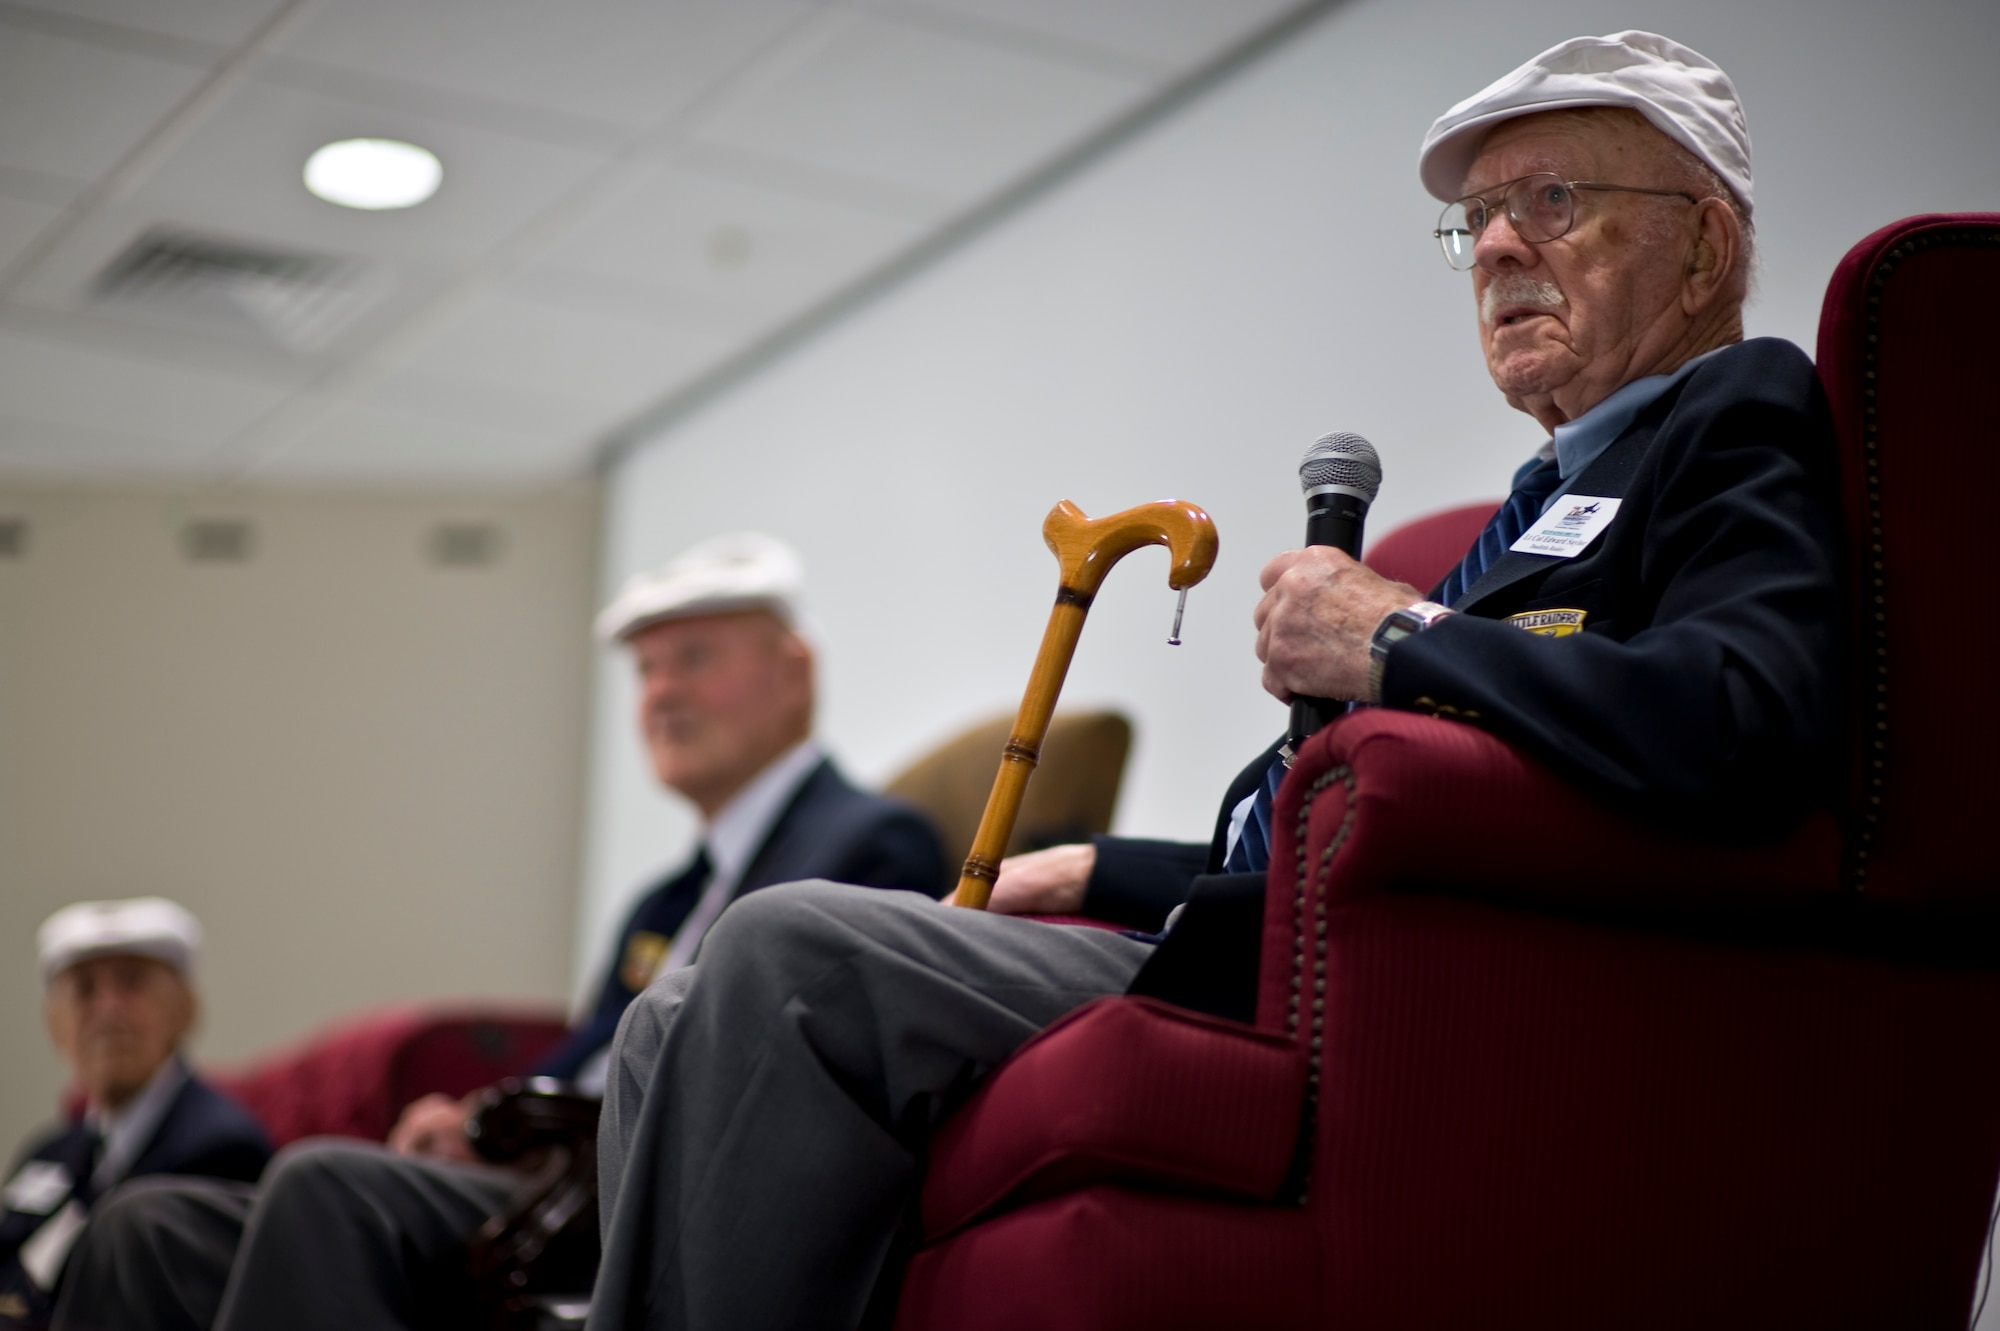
(1345, 460)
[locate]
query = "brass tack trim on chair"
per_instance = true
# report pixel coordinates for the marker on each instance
(1864, 824)
(1306, 882)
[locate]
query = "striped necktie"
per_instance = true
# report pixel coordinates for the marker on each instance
(1504, 528)
(1252, 851)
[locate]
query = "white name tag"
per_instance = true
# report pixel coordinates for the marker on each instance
(43, 1255)
(37, 1188)
(1569, 526)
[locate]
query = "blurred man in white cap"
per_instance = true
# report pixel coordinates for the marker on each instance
(117, 980)
(1654, 612)
(344, 1234)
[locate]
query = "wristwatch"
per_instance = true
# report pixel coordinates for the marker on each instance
(1396, 626)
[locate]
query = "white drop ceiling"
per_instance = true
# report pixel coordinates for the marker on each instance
(638, 196)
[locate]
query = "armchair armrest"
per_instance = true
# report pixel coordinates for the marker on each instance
(1385, 799)
(1126, 1090)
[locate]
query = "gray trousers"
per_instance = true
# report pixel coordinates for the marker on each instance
(768, 1107)
(339, 1235)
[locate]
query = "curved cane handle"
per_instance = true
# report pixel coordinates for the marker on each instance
(1085, 549)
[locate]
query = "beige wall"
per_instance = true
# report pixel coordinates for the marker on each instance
(360, 768)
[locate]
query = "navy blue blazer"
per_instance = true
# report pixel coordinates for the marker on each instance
(203, 1133)
(1701, 689)
(830, 829)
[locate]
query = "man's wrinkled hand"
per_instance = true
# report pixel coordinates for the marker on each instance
(1319, 610)
(434, 1126)
(1042, 882)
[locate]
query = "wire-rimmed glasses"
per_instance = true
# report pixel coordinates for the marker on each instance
(1541, 207)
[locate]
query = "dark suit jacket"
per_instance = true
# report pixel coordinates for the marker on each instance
(203, 1132)
(830, 829)
(1701, 691)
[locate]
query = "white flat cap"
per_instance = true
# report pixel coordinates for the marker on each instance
(742, 571)
(141, 927)
(1683, 93)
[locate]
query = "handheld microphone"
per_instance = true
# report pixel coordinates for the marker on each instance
(1340, 476)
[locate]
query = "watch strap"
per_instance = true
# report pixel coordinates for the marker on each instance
(1398, 624)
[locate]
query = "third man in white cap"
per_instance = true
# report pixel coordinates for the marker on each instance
(118, 994)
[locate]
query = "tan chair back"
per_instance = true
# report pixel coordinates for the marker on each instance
(1072, 795)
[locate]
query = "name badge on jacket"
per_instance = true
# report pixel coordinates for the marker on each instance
(1568, 528)
(38, 1188)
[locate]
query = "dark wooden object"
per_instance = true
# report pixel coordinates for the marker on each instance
(543, 1245)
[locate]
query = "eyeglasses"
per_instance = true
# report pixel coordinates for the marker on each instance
(1541, 207)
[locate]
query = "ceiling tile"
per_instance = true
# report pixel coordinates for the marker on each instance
(616, 362)
(627, 62)
(39, 186)
(156, 334)
(915, 108)
(42, 448)
(1174, 34)
(248, 163)
(21, 220)
(516, 408)
(92, 390)
(370, 441)
(717, 244)
(222, 22)
(74, 110)
(240, 176)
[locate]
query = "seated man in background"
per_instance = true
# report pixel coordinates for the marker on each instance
(362, 1237)
(1654, 612)
(117, 980)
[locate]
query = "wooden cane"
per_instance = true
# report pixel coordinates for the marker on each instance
(1085, 550)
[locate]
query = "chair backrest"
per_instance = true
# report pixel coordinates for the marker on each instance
(1423, 550)
(353, 1078)
(1072, 794)
(1906, 356)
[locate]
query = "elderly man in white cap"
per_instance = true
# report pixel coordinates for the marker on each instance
(344, 1234)
(118, 990)
(1653, 612)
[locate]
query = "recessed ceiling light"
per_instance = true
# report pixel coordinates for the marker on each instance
(373, 173)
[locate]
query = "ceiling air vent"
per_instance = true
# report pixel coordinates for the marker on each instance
(465, 544)
(289, 297)
(216, 541)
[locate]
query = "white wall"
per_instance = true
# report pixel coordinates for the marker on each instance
(1183, 319)
(361, 770)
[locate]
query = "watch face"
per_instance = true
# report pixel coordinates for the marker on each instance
(1402, 623)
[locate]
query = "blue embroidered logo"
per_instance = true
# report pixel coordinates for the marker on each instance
(1579, 515)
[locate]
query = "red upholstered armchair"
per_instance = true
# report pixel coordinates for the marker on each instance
(353, 1078)
(1694, 1087)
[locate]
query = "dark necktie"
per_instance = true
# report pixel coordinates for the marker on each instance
(644, 948)
(1252, 851)
(681, 895)
(1503, 529)
(83, 1160)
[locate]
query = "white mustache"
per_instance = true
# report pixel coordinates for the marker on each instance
(1518, 289)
